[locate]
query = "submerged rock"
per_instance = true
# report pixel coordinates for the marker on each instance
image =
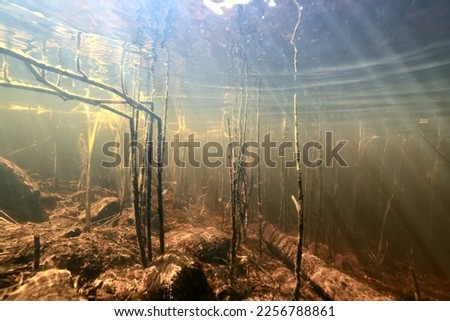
(20, 197)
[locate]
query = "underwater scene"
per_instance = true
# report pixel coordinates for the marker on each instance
(225, 150)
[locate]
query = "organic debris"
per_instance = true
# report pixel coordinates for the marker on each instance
(20, 197)
(105, 264)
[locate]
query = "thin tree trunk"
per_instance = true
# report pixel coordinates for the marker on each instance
(55, 183)
(299, 205)
(136, 205)
(320, 218)
(37, 252)
(258, 173)
(283, 213)
(36, 143)
(160, 188)
(233, 208)
(161, 152)
(148, 205)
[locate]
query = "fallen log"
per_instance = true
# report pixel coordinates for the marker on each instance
(330, 283)
(206, 244)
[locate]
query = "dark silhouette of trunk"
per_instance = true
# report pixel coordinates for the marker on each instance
(299, 206)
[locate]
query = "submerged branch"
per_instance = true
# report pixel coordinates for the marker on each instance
(294, 34)
(62, 93)
(54, 89)
(27, 59)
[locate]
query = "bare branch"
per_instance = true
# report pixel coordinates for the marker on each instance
(39, 69)
(67, 73)
(67, 95)
(17, 85)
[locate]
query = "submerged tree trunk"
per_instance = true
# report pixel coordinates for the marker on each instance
(55, 182)
(233, 208)
(136, 205)
(148, 203)
(258, 177)
(299, 206)
(329, 283)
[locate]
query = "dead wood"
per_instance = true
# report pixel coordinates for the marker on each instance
(206, 244)
(331, 284)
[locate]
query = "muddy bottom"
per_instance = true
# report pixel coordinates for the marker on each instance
(105, 264)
